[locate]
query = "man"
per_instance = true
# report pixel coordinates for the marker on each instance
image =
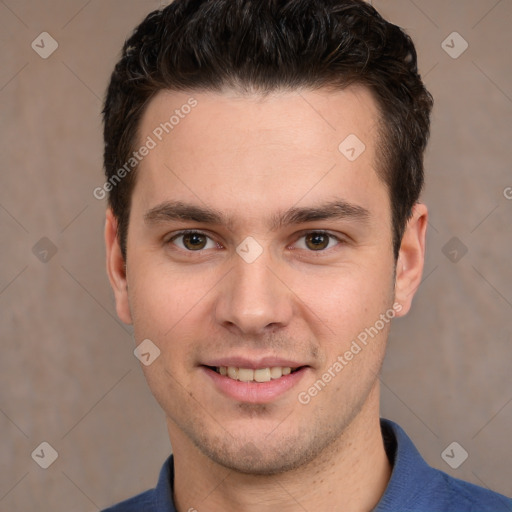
(264, 162)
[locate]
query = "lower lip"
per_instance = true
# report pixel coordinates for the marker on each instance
(255, 392)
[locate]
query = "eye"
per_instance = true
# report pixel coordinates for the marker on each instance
(317, 241)
(193, 241)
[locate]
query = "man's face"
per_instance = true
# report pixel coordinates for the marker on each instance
(266, 284)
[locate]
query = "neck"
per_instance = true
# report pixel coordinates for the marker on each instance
(350, 474)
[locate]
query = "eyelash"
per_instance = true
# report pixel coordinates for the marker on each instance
(315, 253)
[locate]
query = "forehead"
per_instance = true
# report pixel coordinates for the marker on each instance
(303, 118)
(231, 149)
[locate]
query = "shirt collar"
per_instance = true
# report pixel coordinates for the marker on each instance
(410, 473)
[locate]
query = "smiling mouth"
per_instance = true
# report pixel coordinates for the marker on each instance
(251, 375)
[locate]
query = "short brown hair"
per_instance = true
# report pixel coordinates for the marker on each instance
(264, 46)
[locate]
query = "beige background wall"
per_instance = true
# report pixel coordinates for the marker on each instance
(67, 371)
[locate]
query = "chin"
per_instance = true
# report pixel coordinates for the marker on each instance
(249, 460)
(260, 456)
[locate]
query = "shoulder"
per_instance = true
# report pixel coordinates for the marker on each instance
(158, 499)
(417, 487)
(460, 495)
(141, 503)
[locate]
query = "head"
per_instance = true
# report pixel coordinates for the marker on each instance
(290, 136)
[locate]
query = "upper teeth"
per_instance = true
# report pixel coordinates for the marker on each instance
(250, 375)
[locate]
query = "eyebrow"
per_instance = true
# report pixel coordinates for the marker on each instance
(177, 210)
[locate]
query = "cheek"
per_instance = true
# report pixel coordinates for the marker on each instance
(152, 305)
(161, 298)
(348, 299)
(175, 311)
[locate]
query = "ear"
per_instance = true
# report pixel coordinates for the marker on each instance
(116, 268)
(409, 267)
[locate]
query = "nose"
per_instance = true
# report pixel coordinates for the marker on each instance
(254, 297)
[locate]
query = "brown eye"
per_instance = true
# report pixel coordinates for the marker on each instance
(194, 241)
(317, 241)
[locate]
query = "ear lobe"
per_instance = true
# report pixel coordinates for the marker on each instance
(411, 258)
(116, 268)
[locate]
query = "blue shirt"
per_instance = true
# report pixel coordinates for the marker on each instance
(414, 485)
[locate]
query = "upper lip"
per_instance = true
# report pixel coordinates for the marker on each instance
(254, 364)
